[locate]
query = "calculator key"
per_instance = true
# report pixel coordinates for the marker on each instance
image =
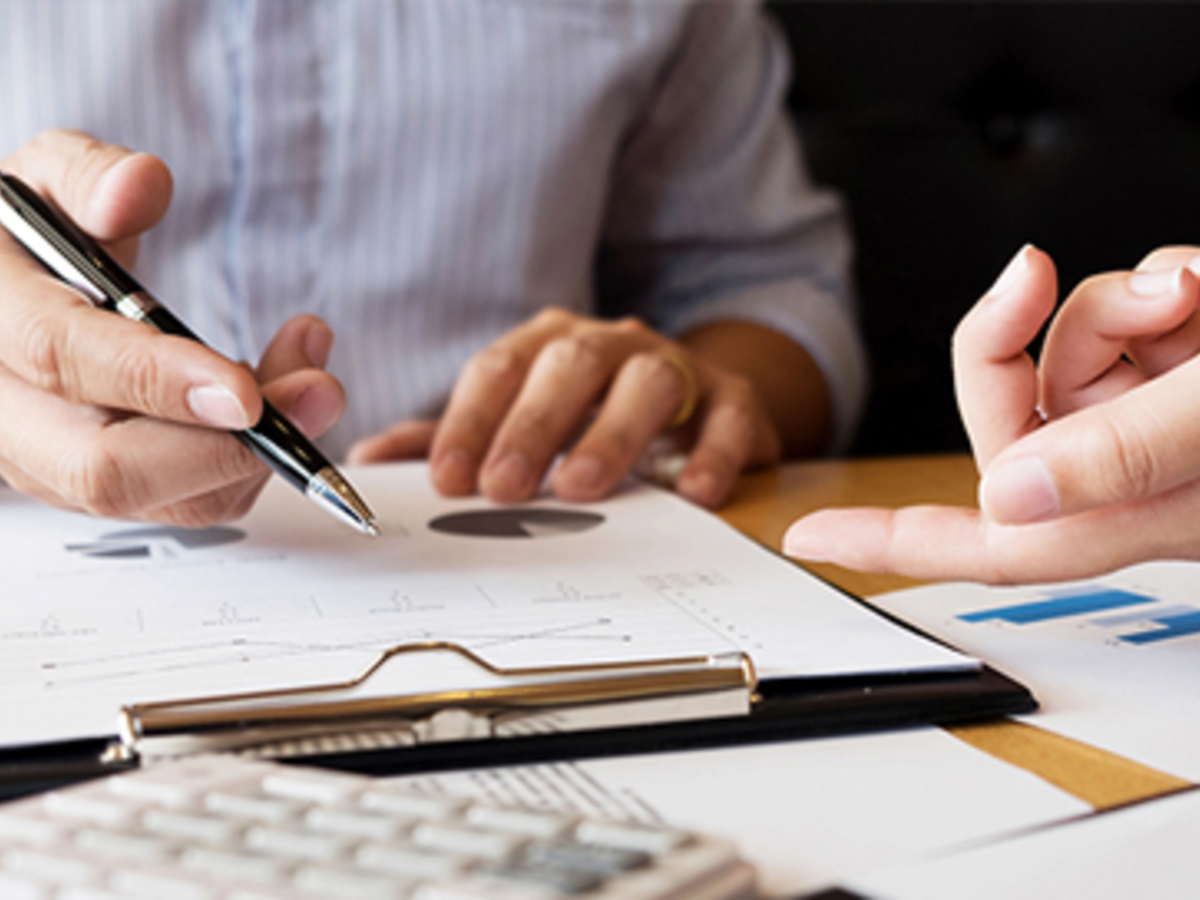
(26, 828)
(630, 837)
(355, 824)
(124, 846)
(15, 887)
(99, 810)
(342, 882)
(56, 868)
(584, 857)
(464, 841)
(253, 806)
(403, 802)
(149, 885)
(296, 844)
(206, 829)
(410, 862)
(482, 890)
(227, 864)
(520, 821)
(327, 788)
(565, 881)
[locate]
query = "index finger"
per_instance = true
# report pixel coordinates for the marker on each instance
(995, 378)
(55, 340)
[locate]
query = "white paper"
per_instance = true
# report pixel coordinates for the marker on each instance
(96, 613)
(805, 813)
(1147, 850)
(1115, 662)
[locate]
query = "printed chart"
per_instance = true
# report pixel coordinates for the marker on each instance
(1114, 662)
(1144, 618)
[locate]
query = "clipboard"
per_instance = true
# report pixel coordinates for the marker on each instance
(552, 713)
(722, 638)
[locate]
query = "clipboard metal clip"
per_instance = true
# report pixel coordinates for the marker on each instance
(500, 702)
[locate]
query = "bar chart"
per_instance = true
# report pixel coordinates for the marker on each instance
(1130, 617)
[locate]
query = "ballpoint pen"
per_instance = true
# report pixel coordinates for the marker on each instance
(69, 253)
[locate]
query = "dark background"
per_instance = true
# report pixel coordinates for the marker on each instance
(957, 132)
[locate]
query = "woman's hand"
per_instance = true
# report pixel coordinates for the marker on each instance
(1090, 459)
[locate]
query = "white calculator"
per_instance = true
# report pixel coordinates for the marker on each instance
(228, 828)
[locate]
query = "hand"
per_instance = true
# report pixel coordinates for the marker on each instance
(1090, 461)
(615, 386)
(99, 413)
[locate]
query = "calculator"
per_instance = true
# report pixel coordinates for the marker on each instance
(225, 827)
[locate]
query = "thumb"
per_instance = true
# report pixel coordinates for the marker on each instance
(111, 192)
(1137, 445)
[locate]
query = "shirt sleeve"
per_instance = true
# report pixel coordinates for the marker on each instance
(713, 216)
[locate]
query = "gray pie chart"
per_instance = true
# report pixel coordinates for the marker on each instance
(516, 523)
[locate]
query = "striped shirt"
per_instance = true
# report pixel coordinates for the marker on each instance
(427, 174)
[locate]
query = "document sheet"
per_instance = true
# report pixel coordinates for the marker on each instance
(96, 614)
(1114, 661)
(806, 813)
(1146, 850)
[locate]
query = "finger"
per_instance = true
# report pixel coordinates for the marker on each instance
(111, 192)
(304, 342)
(995, 378)
(957, 544)
(1162, 352)
(564, 383)
(735, 434)
(1084, 356)
(310, 399)
(644, 397)
(486, 388)
(115, 467)
(405, 440)
(1170, 257)
(63, 346)
(1142, 443)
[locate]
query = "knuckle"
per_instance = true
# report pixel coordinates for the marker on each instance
(95, 481)
(43, 341)
(500, 365)
(555, 318)
(139, 375)
(632, 325)
(210, 509)
(535, 425)
(85, 166)
(580, 354)
(1125, 459)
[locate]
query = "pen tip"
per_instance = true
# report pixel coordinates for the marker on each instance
(331, 491)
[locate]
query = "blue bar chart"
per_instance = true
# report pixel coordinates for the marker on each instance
(1134, 618)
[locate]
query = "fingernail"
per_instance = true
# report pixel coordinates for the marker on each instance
(1012, 272)
(797, 543)
(511, 475)
(584, 472)
(1019, 492)
(315, 411)
(1153, 284)
(699, 487)
(452, 471)
(216, 405)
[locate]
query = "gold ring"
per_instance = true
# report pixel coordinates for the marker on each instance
(691, 395)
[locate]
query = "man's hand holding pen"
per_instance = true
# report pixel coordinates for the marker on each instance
(99, 413)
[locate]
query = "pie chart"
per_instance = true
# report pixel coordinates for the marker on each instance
(156, 541)
(516, 523)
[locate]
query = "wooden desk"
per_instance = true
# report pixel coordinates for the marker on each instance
(766, 502)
